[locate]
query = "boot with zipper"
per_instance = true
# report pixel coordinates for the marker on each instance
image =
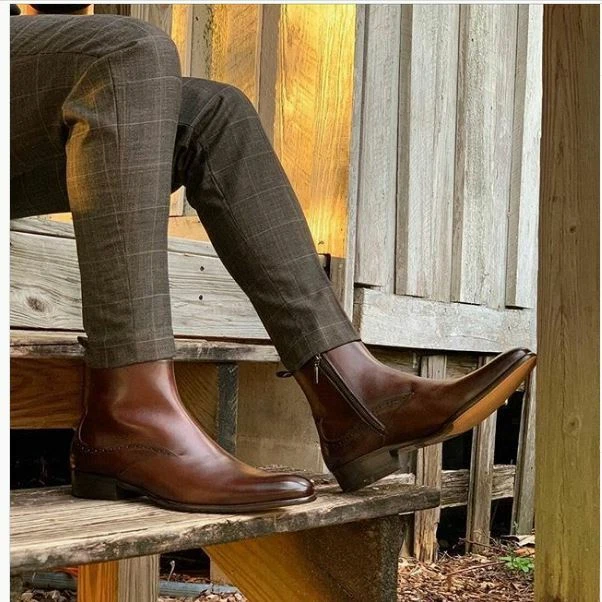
(137, 439)
(365, 411)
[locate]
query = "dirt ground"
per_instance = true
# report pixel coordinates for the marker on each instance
(482, 577)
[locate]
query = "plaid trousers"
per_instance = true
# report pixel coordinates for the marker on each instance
(103, 125)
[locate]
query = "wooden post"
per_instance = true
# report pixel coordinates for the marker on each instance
(568, 383)
(428, 472)
(128, 580)
(330, 564)
(523, 504)
(480, 485)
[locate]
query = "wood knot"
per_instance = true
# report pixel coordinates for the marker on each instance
(36, 304)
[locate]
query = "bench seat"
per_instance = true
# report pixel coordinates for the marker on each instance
(63, 344)
(340, 547)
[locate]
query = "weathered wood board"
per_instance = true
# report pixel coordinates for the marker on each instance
(398, 320)
(47, 524)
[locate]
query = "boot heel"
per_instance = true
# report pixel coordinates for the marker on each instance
(96, 487)
(366, 470)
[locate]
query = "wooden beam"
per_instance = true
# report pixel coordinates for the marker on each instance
(480, 486)
(127, 580)
(227, 406)
(376, 201)
(332, 564)
(138, 579)
(428, 472)
(98, 582)
(568, 314)
(401, 321)
(47, 524)
(523, 504)
(521, 263)
(427, 137)
(486, 71)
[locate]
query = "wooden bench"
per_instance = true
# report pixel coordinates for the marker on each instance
(336, 548)
(339, 547)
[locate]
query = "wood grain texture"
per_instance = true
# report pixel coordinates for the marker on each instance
(98, 582)
(480, 486)
(355, 152)
(235, 46)
(486, 69)
(427, 131)
(51, 528)
(331, 564)
(523, 212)
(523, 504)
(428, 472)
(312, 113)
(402, 321)
(45, 393)
(45, 291)
(40, 344)
(275, 425)
(138, 579)
(376, 202)
(454, 485)
(568, 321)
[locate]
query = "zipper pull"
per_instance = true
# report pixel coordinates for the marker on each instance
(316, 368)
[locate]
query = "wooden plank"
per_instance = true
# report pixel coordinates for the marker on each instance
(427, 133)
(275, 421)
(49, 393)
(402, 321)
(311, 130)
(523, 505)
(331, 564)
(45, 393)
(428, 472)
(486, 68)
(355, 148)
(226, 418)
(138, 579)
(480, 486)
(39, 344)
(568, 311)
(376, 205)
(454, 485)
(52, 528)
(198, 388)
(45, 291)
(235, 46)
(98, 582)
(521, 268)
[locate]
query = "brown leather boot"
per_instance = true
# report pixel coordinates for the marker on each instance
(365, 412)
(137, 439)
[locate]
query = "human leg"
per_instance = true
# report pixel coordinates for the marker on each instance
(364, 411)
(94, 110)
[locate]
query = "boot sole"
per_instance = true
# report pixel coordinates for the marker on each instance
(382, 462)
(97, 487)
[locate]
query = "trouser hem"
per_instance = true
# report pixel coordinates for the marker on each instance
(319, 341)
(131, 352)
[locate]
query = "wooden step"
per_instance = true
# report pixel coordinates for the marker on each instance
(61, 344)
(50, 528)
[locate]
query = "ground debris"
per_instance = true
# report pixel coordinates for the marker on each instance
(468, 578)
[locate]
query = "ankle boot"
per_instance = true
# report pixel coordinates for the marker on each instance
(137, 439)
(365, 411)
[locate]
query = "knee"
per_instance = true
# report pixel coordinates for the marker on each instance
(215, 98)
(150, 47)
(142, 49)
